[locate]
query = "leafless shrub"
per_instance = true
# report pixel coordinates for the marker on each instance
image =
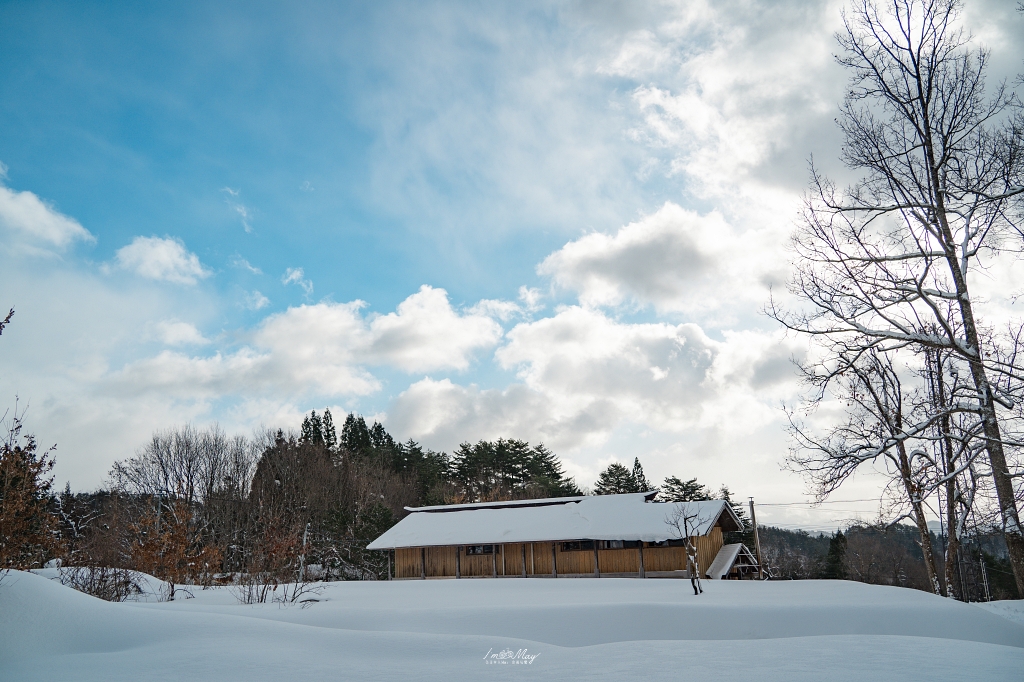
(262, 588)
(109, 584)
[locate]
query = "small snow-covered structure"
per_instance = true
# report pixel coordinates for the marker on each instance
(735, 561)
(617, 535)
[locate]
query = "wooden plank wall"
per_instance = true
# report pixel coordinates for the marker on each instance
(440, 561)
(674, 558)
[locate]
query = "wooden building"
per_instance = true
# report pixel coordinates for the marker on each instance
(630, 535)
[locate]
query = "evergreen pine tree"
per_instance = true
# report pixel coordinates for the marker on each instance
(835, 560)
(674, 490)
(355, 437)
(381, 439)
(614, 480)
(546, 471)
(642, 484)
(509, 469)
(737, 507)
(312, 432)
(330, 435)
(28, 528)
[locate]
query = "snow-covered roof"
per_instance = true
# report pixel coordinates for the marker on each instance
(593, 517)
(726, 559)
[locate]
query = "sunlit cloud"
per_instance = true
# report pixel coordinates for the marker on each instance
(162, 259)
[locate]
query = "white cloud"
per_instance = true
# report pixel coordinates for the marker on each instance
(71, 328)
(28, 216)
(444, 414)
(162, 259)
(426, 334)
(497, 309)
(675, 259)
(239, 262)
(584, 375)
(243, 213)
(531, 296)
(654, 373)
(178, 333)
(324, 349)
(640, 54)
(722, 91)
(238, 207)
(596, 389)
(256, 301)
(298, 276)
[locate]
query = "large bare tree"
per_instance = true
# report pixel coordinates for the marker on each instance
(885, 262)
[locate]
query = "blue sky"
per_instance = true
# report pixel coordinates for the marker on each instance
(370, 145)
(552, 221)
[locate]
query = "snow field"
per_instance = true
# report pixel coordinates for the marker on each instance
(616, 629)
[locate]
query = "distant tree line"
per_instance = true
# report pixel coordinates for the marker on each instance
(889, 555)
(196, 506)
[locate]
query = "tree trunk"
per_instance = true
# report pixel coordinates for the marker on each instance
(993, 438)
(954, 590)
(914, 495)
(990, 424)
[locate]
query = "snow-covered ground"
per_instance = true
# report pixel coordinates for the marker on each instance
(616, 629)
(1013, 610)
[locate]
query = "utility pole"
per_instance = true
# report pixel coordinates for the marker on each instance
(757, 541)
(302, 557)
(984, 578)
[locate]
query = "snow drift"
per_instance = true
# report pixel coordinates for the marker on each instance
(444, 629)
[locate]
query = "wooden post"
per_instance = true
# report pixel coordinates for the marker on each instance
(597, 568)
(640, 551)
(554, 562)
(458, 561)
(423, 563)
(523, 546)
(757, 540)
(389, 564)
(533, 560)
(494, 562)
(503, 560)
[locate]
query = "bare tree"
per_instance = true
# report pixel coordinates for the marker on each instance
(186, 491)
(882, 424)
(884, 263)
(686, 519)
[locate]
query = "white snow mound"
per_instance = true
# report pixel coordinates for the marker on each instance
(616, 629)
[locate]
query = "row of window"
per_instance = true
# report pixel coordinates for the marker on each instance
(585, 545)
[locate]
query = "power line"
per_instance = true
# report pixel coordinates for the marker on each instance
(810, 504)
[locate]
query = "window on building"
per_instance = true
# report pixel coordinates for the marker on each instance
(578, 545)
(480, 549)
